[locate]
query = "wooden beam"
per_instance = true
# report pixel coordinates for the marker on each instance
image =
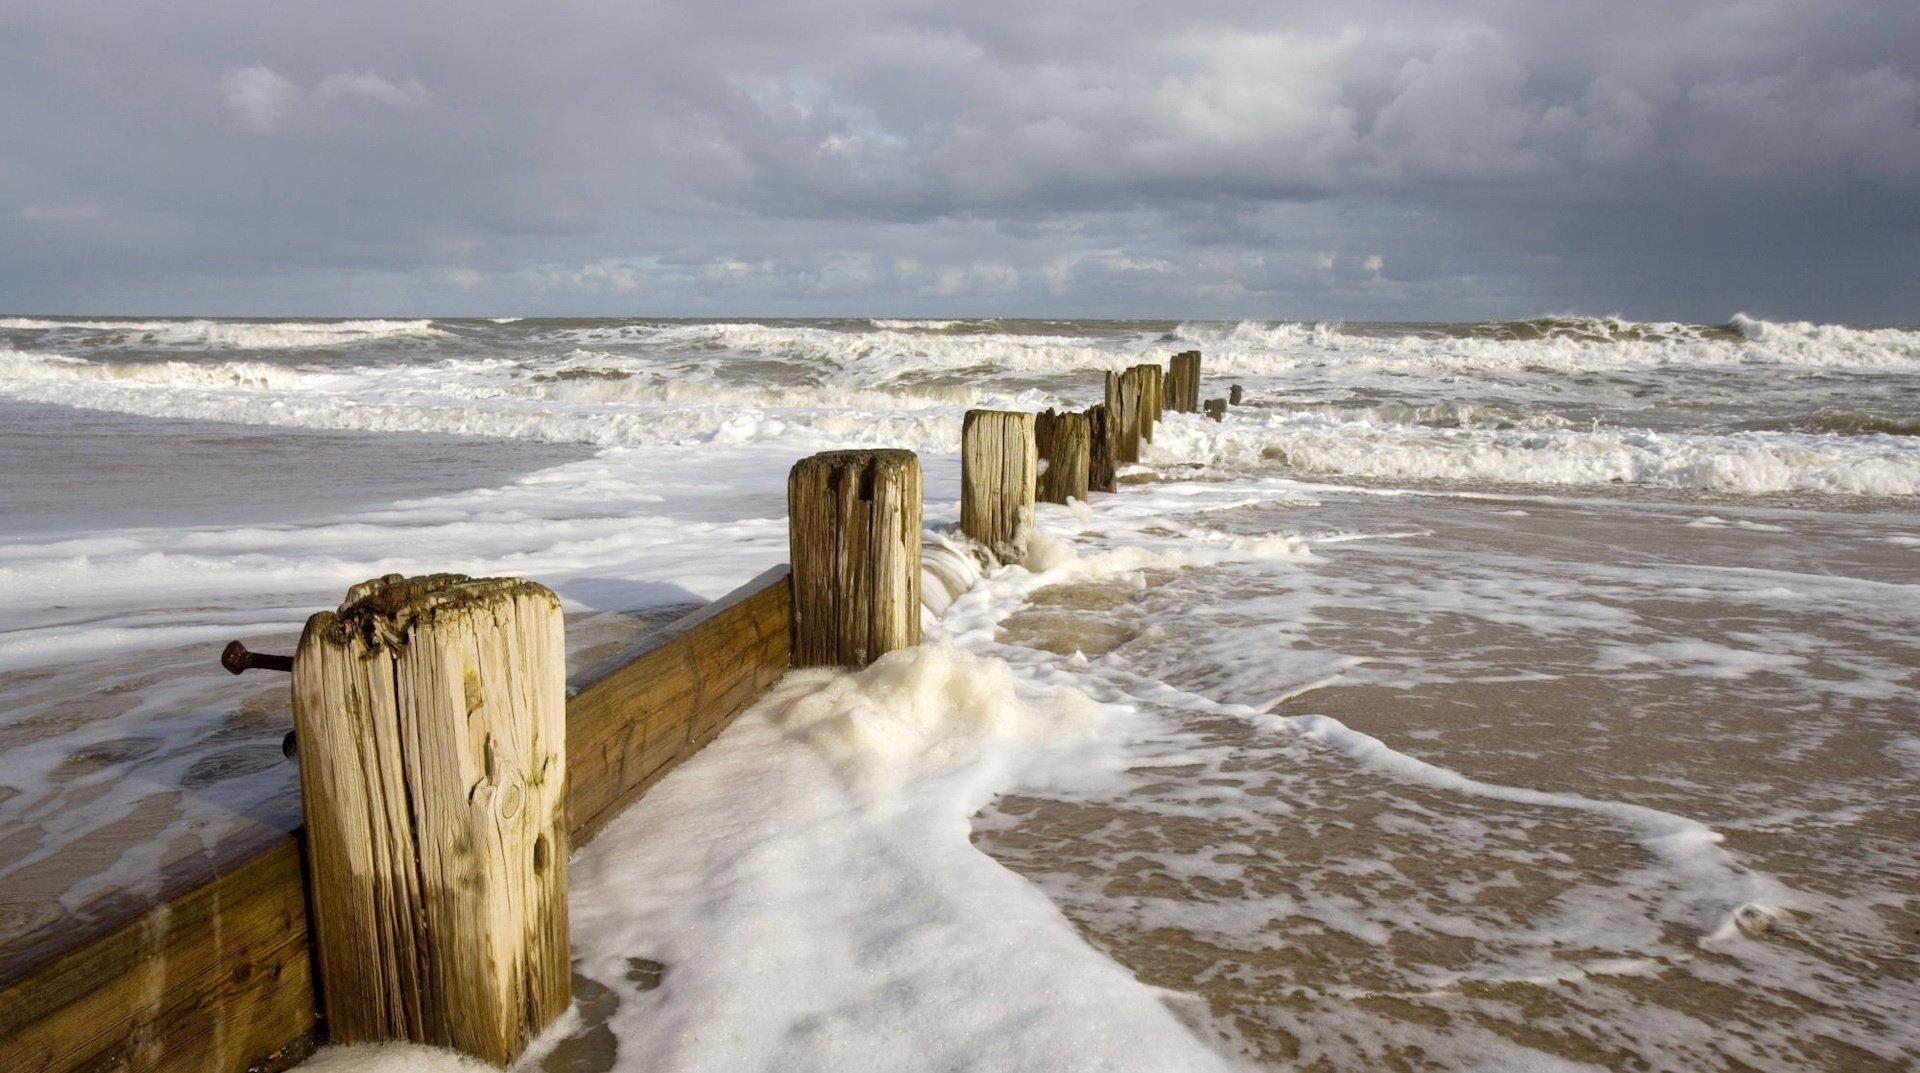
(1101, 448)
(1123, 404)
(217, 979)
(431, 714)
(1063, 444)
(854, 529)
(638, 714)
(999, 467)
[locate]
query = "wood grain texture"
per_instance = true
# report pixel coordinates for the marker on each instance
(999, 470)
(1064, 446)
(1183, 382)
(1101, 448)
(432, 720)
(1149, 414)
(1123, 404)
(639, 714)
(854, 530)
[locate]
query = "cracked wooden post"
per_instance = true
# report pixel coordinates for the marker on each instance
(1183, 382)
(431, 714)
(1062, 441)
(1123, 406)
(1100, 448)
(998, 468)
(854, 534)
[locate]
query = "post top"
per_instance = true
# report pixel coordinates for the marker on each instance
(878, 457)
(381, 610)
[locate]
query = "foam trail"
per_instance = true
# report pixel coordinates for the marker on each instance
(1723, 895)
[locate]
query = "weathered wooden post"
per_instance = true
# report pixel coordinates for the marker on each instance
(1063, 443)
(998, 467)
(854, 535)
(1149, 398)
(1100, 448)
(431, 714)
(1183, 382)
(1123, 404)
(1217, 409)
(1235, 394)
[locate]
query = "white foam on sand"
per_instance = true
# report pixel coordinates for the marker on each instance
(835, 917)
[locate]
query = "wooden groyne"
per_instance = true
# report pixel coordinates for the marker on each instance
(232, 973)
(222, 977)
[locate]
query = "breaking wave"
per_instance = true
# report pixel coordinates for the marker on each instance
(225, 334)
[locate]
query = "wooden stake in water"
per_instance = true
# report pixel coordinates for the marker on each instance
(431, 714)
(1063, 443)
(998, 467)
(1150, 376)
(1123, 404)
(1183, 382)
(1100, 448)
(1217, 409)
(854, 533)
(1236, 394)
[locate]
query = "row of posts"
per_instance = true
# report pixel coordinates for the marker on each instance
(431, 717)
(855, 516)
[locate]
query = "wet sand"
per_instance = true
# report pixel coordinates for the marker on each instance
(1748, 668)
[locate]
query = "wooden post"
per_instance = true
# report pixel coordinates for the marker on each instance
(1149, 398)
(1235, 394)
(1100, 448)
(854, 534)
(1063, 443)
(998, 466)
(432, 720)
(1217, 409)
(1123, 405)
(1183, 382)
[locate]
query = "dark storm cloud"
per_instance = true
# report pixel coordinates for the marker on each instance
(1125, 158)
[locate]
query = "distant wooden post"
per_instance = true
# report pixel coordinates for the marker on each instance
(1100, 448)
(1149, 398)
(1217, 409)
(1183, 382)
(1236, 394)
(1063, 443)
(431, 714)
(998, 467)
(854, 534)
(1123, 405)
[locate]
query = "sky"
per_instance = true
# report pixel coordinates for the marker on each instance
(1264, 159)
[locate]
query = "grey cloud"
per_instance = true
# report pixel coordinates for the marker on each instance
(1117, 158)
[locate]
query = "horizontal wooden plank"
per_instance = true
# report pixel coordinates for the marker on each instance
(688, 682)
(219, 976)
(217, 979)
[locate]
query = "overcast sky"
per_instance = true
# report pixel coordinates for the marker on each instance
(1403, 159)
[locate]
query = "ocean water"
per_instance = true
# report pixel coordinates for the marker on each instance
(1530, 695)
